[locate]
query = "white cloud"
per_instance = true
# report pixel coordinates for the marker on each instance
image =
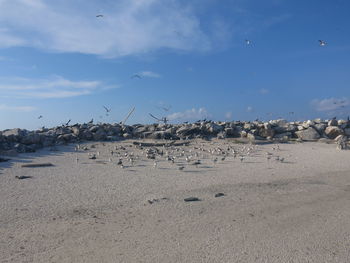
(189, 115)
(4, 107)
(53, 87)
(128, 27)
(330, 104)
(250, 109)
(228, 115)
(149, 74)
(264, 91)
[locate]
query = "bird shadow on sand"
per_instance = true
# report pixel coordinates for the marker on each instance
(25, 158)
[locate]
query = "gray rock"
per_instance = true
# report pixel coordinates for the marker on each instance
(282, 135)
(266, 131)
(347, 131)
(32, 138)
(333, 131)
(99, 135)
(127, 136)
(308, 134)
(333, 122)
(214, 128)
(320, 127)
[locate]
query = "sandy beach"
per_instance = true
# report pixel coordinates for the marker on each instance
(252, 209)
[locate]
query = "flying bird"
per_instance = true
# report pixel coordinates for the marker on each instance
(322, 43)
(68, 122)
(136, 76)
(165, 108)
(40, 117)
(107, 110)
(99, 15)
(247, 41)
(164, 119)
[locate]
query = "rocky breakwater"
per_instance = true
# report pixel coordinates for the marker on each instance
(21, 140)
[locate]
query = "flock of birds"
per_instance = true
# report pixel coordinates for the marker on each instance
(197, 154)
(138, 76)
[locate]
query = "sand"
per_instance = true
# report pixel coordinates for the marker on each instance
(94, 211)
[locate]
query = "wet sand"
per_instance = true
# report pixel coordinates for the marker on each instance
(297, 210)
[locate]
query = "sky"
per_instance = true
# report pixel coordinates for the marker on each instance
(181, 59)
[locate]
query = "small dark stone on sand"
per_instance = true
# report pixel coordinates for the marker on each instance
(37, 165)
(191, 199)
(21, 177)
(219, 194)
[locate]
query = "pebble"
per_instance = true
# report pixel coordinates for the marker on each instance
(191, 199)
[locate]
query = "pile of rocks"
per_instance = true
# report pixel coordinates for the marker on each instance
(20, 140)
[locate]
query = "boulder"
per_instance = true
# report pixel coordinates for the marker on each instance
(332, 122)
(333, 131)
(32, 138)
(266, 131)
(320, 127)
(14, 135)
(99, 135)
(308, 134)
(347, 131)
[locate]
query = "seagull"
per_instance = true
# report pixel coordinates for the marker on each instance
(247, 41)
(136, 76)
(322, 43)
(40, 117)
(107, 110)
(99, 15)
(165, 108)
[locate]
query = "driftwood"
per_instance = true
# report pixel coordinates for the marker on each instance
(31, 165)
(160, 144)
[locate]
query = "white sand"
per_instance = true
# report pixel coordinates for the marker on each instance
(296, 211)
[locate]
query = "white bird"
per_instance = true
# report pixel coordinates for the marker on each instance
(247, 41)
(322, 43)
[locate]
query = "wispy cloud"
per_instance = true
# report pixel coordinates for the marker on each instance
(189, 115)
(149, 74)
(264, 91)
(330, 104)
(228, 115)
(4, 107)
(250, 109)
(128, 27)
(52, 87)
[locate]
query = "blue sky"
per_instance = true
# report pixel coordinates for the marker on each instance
(59, 60)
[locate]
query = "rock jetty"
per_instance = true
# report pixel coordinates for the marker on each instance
(21, 140)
